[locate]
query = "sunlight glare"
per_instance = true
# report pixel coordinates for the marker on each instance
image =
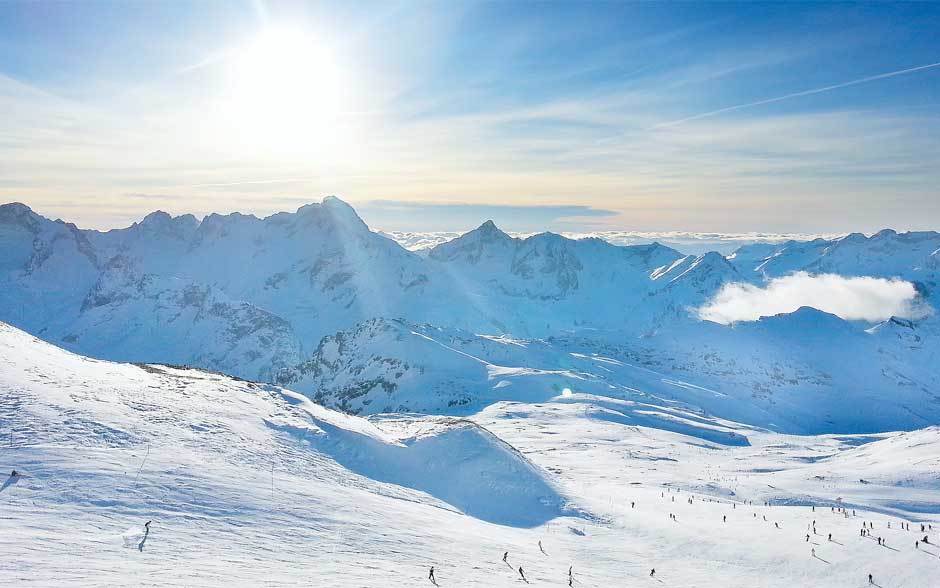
(285, 93)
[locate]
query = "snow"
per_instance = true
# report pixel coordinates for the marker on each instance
(252, 484)
(315, 301)
(405, 410)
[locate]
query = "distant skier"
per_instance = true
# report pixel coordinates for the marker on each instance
(431, 576)
(777, 525)
(830, 536)
(870, 579)
(505, 557)
(724, 519)
(522, 574)
(541, 548)
(633, 505)
(14, 474)
(652, 572)
(813, 551)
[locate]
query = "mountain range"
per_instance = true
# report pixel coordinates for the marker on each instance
(316, 301)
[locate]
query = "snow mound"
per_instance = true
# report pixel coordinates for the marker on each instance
(454, 460)
(53, 397)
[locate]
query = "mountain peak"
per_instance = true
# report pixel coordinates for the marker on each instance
(334, 211)
(156, 217)
(161, 221)
(487, 230)
(15, 207)
(471, 245)
(17, 213)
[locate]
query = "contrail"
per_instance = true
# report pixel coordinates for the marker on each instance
(890, 74)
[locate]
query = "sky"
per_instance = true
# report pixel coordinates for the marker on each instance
(424, 115)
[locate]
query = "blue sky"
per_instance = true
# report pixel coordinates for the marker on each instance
(643, 116)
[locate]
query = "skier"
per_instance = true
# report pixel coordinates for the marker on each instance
(777, 525)
(807, 537)
(541, 548)
(14, 474)
(522, 574)
(916, 544)
(505, 556)
(652, 572)
(724, 519)
(431, 576)
(830, 536)
(633, 505)
(813, 551)
(870, 580)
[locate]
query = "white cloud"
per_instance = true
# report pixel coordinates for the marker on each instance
(861, 298)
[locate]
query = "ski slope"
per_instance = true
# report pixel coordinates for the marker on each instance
(252, 484)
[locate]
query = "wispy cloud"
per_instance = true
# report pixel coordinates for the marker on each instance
(456, 113)
(736, 107)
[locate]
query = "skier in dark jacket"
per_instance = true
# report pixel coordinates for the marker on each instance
(431, 576)
(522, 574)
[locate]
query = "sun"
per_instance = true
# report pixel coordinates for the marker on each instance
(285, 92)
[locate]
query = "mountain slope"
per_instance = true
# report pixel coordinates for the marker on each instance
(250, 483)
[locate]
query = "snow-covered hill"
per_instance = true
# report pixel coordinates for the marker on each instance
(252, 484)
(796, 372)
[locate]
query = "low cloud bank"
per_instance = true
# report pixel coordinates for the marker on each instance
(869, 299)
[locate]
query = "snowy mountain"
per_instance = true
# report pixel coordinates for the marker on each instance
(913, 256)
(246, 483)
(316, 301)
